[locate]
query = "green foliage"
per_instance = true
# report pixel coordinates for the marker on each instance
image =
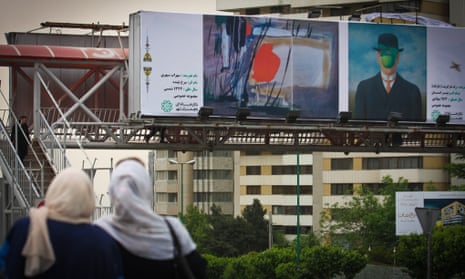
(258, 226)
(199, 228)
(329, 261)
(308, 240)
(266, 262)
(228, 236)
(457, 170)
(352, 263)
(288, 270)
(216, 266)
(280, 263)
(323, 261)
(366, 222)
(448, 244)
(241, 267)
(279, 240)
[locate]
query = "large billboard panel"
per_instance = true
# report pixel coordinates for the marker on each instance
(181, 62)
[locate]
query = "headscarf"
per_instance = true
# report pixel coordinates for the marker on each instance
(69, 198)
(134, 224)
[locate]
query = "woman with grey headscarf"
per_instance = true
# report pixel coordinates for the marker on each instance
(58, 240)
(144, 236)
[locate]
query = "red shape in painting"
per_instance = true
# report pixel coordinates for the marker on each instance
(266, 64)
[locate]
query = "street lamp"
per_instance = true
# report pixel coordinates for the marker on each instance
(190, 162)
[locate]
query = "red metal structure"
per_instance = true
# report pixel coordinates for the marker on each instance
(66, 78)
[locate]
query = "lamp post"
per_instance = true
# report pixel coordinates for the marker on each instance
(190, 162)
(298, 209)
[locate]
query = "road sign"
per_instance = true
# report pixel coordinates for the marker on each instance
(427, 217)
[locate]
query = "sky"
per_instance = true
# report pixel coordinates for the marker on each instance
(26, 15)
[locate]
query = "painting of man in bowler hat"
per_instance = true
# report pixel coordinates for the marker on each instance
(387, 91)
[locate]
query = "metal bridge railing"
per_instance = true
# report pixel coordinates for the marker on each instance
(24, 191)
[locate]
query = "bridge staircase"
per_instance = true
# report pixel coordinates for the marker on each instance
(23, 184)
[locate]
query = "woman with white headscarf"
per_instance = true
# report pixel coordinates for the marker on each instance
(58, 240)
(144, 236)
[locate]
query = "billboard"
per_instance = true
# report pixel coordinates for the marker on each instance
(180, 62)
(451, 204)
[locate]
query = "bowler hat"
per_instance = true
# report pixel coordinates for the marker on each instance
(387, 40)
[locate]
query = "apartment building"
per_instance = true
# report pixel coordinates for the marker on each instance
(196, 178)
(342, 174)
(285, 183)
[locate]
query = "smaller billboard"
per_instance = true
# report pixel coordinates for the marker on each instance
(450, 204)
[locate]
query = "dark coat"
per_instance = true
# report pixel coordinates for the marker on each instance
(81, 251)
(372, 102)
(23, 139)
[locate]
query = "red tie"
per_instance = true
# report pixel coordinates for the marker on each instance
(388, 84)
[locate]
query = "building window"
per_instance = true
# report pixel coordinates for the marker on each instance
(292, 229)
(221, 197)
(306, 169)
(252, 152)
(253, 190)
(252, 11)
(167, 175)
(167, 197)
(290, 190)
(291, 210)
(280, 170)
(212, 174)
(162, 175)
(410, 163)
(172, 175)
(392, 163)
(200, 174)
(415, 187)
(222, 174)
(253, 170)
(217, 153)
(371, 163)
(375, 188)
(342, 189)
(277, 9)
(201, 196)
(213, 197)
(342, 164)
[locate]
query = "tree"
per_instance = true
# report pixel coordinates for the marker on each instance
(199, 228)
(308, 240)
(228, 236)
(328, 261)
(317, 262)
(457, 170)
(447, 252)
(366, 222)
(258, 227)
